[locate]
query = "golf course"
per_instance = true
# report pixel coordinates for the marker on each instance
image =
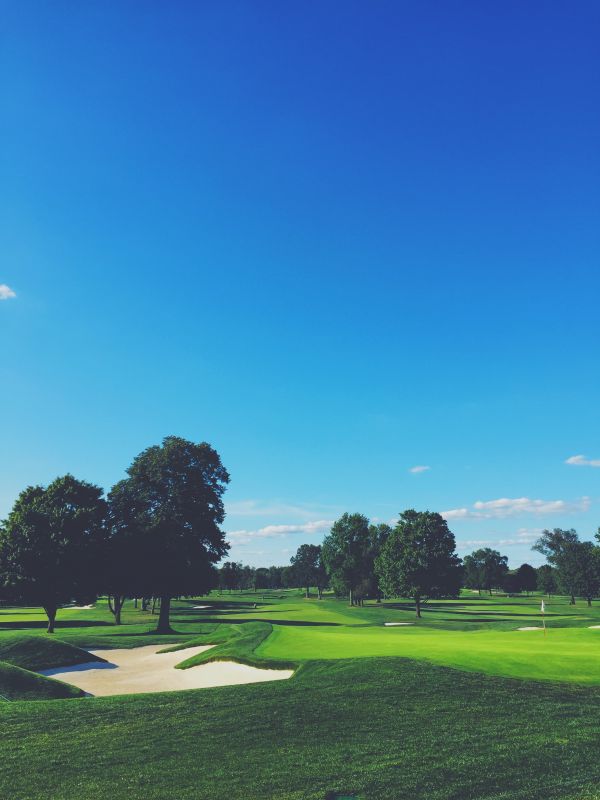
(472, 700)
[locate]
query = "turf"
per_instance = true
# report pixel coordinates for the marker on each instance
(413, 712)
(41, 652)
(385, 729)
(21, 684)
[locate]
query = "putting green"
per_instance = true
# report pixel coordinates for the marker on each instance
(565, 654)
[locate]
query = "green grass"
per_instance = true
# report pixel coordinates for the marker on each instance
(451, 708)
(41, 652)
(21, 684)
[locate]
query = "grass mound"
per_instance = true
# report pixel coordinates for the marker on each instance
(237, 642)
(20, 684)
(41, 652)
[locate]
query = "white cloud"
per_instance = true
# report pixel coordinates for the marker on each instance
(510, 507)
(273, 531)
(525, 536)
(582, 461)
(419, 468)
(6, 293)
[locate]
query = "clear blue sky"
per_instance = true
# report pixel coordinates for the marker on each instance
(337, 240)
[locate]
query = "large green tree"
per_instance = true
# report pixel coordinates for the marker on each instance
(418, 559)
(560, 548)
(172, 497)
(527, 578)
(546, 579)
(52, 545)
(487, 568)
(309, 569)
(346, 552)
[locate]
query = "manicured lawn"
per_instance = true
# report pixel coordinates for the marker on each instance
(371, 710)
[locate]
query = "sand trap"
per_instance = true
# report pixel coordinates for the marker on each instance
(141, 670)
(197, 608)
(395, 624)
(593, 627)
(79, 608)
(530, 628)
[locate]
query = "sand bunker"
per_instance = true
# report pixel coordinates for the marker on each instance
(593, 626)
(79, 608)
(395, 624)
(531, 628)
(199, 607)
(143, 670)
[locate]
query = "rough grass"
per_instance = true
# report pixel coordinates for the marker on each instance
(21, 684)
(385, 729)
(41, 652)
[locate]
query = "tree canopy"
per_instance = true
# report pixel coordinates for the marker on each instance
(51, 545)
(173, 498)
(418, 559)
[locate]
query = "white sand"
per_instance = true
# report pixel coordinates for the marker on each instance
(530, 628)
(394, 624)
(198, 607)
(141, 670)
(593, 626)
(79, 608)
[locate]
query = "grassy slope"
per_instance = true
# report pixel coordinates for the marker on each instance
(388, 729)
(41, 652)
(383, 727)
(20, 684)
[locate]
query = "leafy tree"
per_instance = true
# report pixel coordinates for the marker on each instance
(419, 559)
(52, 543)
(587, 557)
(173, 497)
(262, 578)
(309, 569)
(546, 580)
(511, 583)
(489, 567)
(288, 578)
(560, 548)
(527, 576)
(473, 573)
(230, 575)
(345, 553)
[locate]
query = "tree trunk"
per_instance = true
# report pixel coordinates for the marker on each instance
(351, 600)
(153, 605)
(135, 602)
(307, 592)
(418, 606)
(320, 592)
(572, 602)
(163, 617)
(51, 614)
(589, 601)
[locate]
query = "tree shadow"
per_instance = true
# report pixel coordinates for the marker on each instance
(60, 624)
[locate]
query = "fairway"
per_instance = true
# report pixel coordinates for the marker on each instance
(567, 654)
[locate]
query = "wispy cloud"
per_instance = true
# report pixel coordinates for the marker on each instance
(275, 508)
(512, 507)
(6, 293)
(273, 531)
(583, 461)
(524, 536)
(419, 468)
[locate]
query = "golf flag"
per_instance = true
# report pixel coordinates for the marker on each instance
(543, 618)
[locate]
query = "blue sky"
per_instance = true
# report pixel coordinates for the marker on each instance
(337, 240)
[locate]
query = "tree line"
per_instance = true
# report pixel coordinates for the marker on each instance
(157, 534)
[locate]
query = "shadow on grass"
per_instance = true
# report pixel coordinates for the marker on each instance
(60, 624)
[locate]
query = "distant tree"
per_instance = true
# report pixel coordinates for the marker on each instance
(308, 567)
(489, 567)
(275, 577)
(288, 578)
(419, 559)
(262, 578)
(247, 578)
(230, 575)
(587, 557)
(473, 573)
(52, 543)
(560, 548)
(173, 497)
(345, 554)
(527, 576)
(546, 580)
(511, 583)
